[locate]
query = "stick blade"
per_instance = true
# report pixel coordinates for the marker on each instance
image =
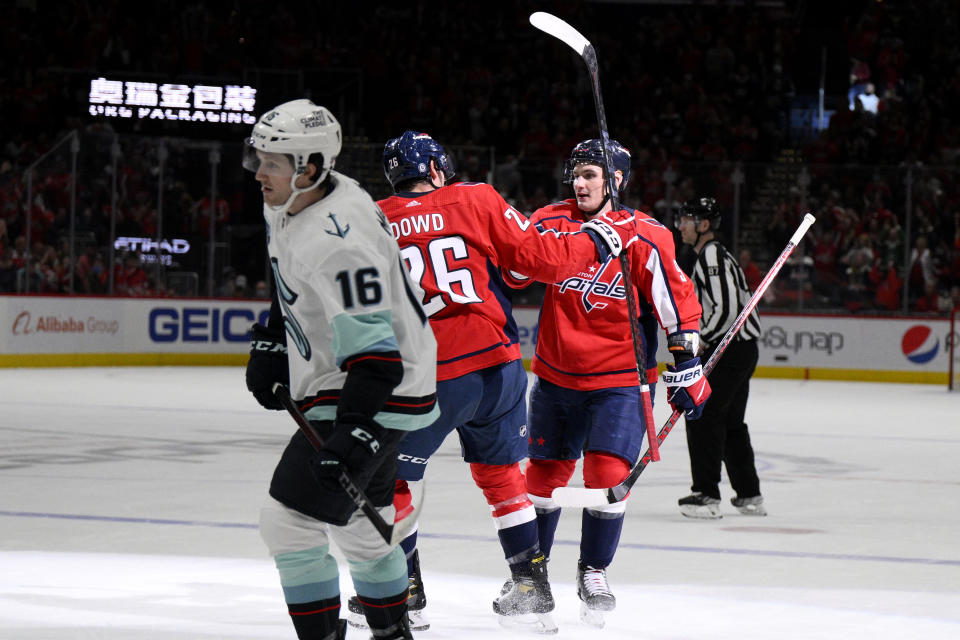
(581, 497)
(554, 26)
(403, 527)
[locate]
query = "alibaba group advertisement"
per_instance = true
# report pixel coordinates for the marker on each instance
(35, 329)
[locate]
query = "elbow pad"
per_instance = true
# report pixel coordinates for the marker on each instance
(515, 280)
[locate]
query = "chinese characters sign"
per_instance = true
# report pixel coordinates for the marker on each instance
(151, 101)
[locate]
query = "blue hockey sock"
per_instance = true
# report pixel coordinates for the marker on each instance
(547, 520)
(600, 535)
(519, 543)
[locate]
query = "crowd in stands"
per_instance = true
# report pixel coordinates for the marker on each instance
(478, 74)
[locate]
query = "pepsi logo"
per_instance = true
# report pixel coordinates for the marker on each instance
(919, 344)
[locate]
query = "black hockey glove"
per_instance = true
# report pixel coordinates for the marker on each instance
(267, 365)
(351, 446)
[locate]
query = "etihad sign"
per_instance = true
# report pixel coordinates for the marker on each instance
(148, 245)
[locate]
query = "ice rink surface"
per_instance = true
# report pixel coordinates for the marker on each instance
(129, 499)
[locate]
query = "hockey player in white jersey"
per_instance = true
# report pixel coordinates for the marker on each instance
(360, 362)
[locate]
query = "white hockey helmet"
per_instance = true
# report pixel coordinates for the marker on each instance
(297, 129)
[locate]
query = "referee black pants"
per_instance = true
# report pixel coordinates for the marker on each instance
(720, 435)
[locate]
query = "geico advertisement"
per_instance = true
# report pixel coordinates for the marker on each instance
(36, 324)
(908, 344)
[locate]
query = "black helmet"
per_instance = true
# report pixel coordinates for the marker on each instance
(700, 209)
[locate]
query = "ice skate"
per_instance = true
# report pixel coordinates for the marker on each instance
(416, 602)
(697, 505)
(399, 631)
(595, 594)
(525, 602)
(340, 633)
(357, 619)
(749, 506)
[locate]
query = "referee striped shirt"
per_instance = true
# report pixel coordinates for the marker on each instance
(723, 293)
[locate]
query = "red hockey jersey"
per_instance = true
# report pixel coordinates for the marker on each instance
(455, 241)
(583, 339)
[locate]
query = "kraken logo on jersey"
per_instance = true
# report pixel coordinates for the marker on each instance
(287, 298)
(591, 289)
(342, 232)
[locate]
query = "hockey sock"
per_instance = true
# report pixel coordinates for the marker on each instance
(317, 619)
(547, 520)
(519, 544)
(601, 526)
(543, 476)
(505, 489)
(600, 535)
(383, 613)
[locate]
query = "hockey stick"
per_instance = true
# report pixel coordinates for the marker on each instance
(391, 533)
(554, 26)
(582, 497)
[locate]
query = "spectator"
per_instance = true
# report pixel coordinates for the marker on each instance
(8, 274)
(240, 287)
(869, 101)
(857, 285)
(888, 283)
(228, 285)
(750, 269)
(859, 75)
(955, 296)
(129, 277)
(921, 266)
(929, 301)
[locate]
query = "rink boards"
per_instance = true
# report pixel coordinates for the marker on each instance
(54, 331)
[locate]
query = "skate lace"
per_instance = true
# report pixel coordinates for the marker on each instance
(595, 581)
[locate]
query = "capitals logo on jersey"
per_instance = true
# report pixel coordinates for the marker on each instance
(605, 282)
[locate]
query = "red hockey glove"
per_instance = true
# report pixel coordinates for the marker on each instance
(687, 387)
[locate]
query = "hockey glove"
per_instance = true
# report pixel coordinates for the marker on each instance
(267, 365)
(351, 447)
(687, 387)
(611, 232)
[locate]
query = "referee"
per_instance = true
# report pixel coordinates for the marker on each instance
(720, 435)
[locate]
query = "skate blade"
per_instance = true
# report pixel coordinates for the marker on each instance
(357, 621)
(541, 623)
(418, 621)
(753, 510)
(701, 513)
(591, 617)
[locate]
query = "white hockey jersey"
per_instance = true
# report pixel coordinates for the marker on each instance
(344, 291)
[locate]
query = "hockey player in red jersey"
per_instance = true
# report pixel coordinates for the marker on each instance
(456, 240)
(586, 397)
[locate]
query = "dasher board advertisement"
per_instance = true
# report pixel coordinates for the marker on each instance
(66, 330)
(910, 349)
